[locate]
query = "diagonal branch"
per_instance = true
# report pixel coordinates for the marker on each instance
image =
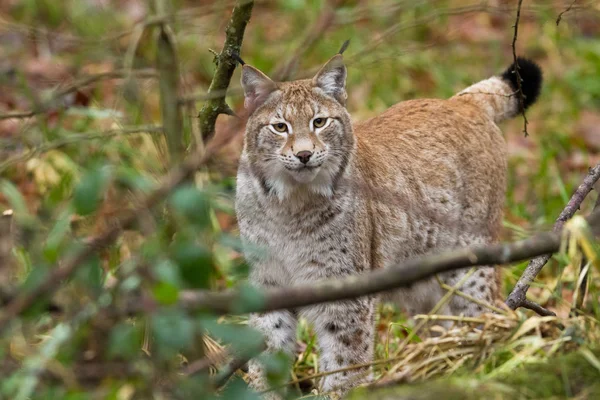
(225, 66)
(518, 296)
(559, 18)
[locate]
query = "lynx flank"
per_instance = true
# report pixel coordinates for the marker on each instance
(320, 197)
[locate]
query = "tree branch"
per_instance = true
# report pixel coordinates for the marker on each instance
(519, 293)
(559, 18)
(403, 275)
(225, 66)
(544, 312)
(516, 70)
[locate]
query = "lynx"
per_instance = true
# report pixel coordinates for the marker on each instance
(319, 197)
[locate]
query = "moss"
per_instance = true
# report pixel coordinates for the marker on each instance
(562, 377)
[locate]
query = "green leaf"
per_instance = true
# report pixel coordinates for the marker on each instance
(90, 273)
(251, 298)
(192, 204)
(88, 193)
(167, 271)
(276, 365)
(56, 236)
(165, 293)
(132, 179)
(244, 340)
(239, 390)
(14, 197)
(173, 331)
(195, 263)
(125, 341)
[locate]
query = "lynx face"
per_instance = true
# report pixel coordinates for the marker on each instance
(299, 134)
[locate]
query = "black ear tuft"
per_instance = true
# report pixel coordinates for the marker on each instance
(237, 58)
(344, 47)
(531, 79)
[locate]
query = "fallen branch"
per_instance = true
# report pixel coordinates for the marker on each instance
(225, 66)
(518, 296)
(373, 282)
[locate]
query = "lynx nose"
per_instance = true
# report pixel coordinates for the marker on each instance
(304, 156)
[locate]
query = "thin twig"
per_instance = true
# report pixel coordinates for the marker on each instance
(519, 293)
(544, 312)
(559, 18)
(516, 70)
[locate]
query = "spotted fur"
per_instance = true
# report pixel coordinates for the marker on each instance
(423, 176)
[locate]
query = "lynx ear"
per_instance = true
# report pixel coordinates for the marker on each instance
(332, 78)
(257, 87)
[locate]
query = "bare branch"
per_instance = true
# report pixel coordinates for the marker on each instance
(516, 70)
(559, 18)
(226, 64)
(537, 308)
(519, 293)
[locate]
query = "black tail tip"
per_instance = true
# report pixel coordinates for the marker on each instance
(531, 79)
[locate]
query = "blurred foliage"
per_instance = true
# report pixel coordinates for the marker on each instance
(62, 195)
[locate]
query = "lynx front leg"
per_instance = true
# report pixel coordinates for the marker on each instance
(345, 335)
(279, 331)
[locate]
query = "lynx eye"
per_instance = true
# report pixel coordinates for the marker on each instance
(280, 127)
(319, 122)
